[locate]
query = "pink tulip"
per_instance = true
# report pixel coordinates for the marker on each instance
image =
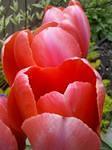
(49, 45)
(72, 89)
(74, 18)
(54, 132)
(3, 109)
(7, 139)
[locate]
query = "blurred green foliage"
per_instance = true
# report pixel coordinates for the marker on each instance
(99, 13)
(107, 113)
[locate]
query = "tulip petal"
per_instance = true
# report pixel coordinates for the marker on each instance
(21, 97)
(7, 140)
(13, 112)
(52, 132)
(4, 116)
(100, 94)
(78, 99)
(72, 29)
(15, 120)
(25, 97)
(76, 14)
(9, 64)
(21, 104)
(100, 90)
(82, 99)
(49, 53)
(44, 26)
(3, 110)
(22, 50)
(53, 14)
(3, 100)
(53, 102)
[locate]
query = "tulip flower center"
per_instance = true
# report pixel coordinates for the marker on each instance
(45, 80)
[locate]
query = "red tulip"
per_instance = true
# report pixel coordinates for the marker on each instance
(7, 139)
(74, 18)
(57, 100)
(49, 45)
(70, 89)
(15, 135)
(54, 132)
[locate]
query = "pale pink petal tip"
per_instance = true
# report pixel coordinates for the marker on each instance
(53, 132)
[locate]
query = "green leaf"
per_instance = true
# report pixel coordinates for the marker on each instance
(1, 91)
(104, 146)
(109, 36)
(37, 5)
(15, 6)
(108, 104)
(96, 64)
(107, 138)
(106, 82)
(93, 55)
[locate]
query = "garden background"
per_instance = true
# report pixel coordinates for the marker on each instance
(17, 14)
